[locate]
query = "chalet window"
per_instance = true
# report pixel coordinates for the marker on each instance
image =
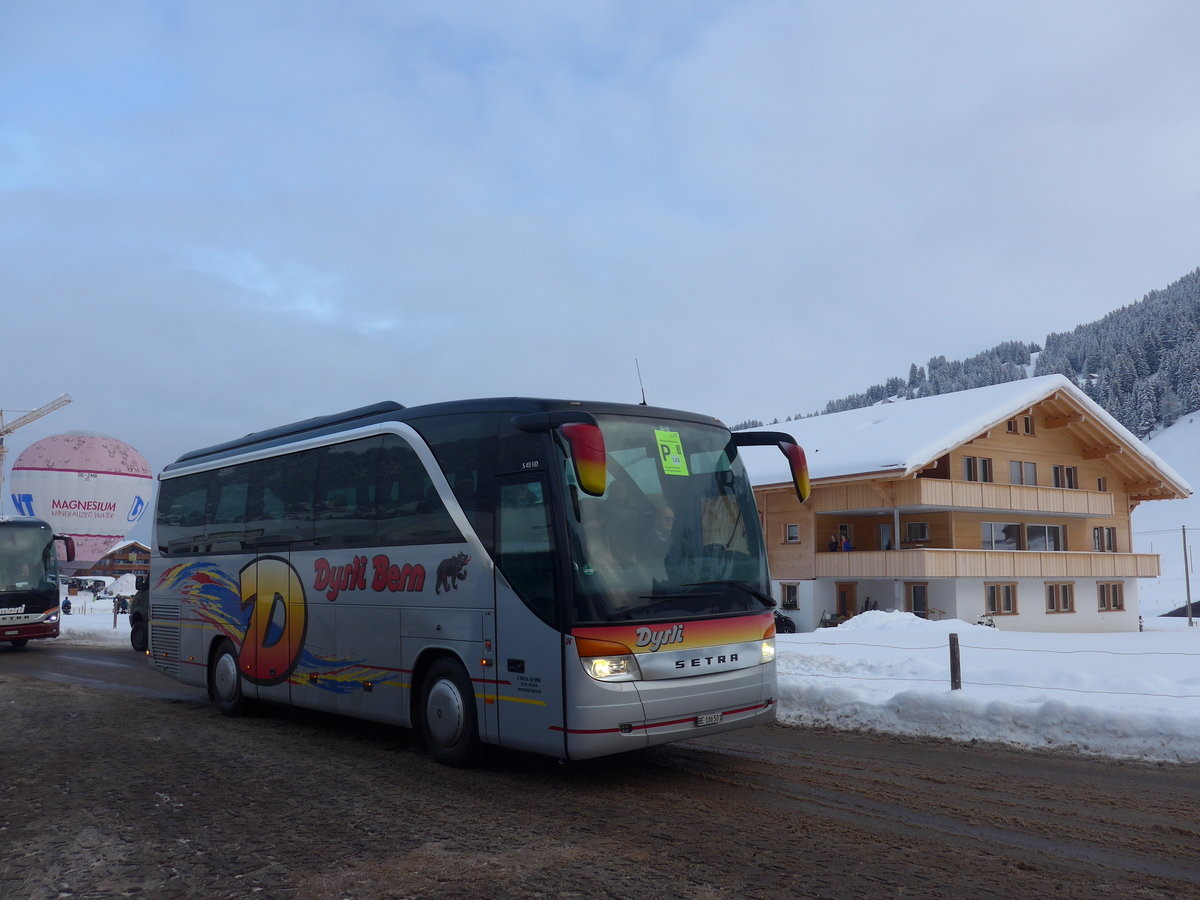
(1060, 597)
(1012, 426)
(1022, 472)
(1027, 424)
(1044, 537)
(1102, 484)
(916, 531)
(1104, 540)
(792, 534)
(916, 598)
(791, 595)
(977, 468)
(1001, 599)
(1066, 477)
(1000, 536)
(1111, 595)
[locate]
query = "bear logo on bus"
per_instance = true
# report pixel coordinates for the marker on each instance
(451, 571)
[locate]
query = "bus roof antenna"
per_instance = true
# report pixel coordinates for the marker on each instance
(642, 386)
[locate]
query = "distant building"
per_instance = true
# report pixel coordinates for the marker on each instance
(1011, 501)
(132, 556)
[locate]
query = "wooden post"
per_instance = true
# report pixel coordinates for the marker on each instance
(955, 665)
(1187, 579)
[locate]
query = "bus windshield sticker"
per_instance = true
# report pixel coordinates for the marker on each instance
(670, 452)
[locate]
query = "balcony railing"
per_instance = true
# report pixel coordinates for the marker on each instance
(921, 564)
(935, 492)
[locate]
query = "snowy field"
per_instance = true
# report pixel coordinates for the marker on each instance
(1134, 696)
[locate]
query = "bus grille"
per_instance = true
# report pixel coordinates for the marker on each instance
(164, 638)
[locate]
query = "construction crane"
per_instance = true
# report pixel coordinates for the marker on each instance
(6, 430)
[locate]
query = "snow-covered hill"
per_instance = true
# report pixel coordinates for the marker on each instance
(1157, 526)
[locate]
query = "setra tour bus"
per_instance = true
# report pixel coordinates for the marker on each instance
(29, 592)
(573, 579)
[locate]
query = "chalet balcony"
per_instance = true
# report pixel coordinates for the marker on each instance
(991, 564)
(937, 493)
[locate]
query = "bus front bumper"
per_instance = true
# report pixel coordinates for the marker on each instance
(630, 716)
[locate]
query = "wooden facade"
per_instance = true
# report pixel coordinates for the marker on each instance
(1038, 504)
(132, 557)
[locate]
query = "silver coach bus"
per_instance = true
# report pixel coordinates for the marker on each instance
(573, 579)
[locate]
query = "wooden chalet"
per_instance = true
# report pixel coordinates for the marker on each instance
(1012, 501)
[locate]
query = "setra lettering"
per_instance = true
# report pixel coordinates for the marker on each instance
(699, 661)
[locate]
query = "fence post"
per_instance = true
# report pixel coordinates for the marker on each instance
(955, 665)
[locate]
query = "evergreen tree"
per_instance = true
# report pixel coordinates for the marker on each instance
(1144, 410)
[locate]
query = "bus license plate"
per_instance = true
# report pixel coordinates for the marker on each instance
(710, 719)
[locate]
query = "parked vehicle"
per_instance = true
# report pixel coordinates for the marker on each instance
(139, 616)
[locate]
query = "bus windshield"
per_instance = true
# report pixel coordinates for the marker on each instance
(27, 560)
(675, 534)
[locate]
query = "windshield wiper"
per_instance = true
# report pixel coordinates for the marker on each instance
(740, 585)
(658, 600)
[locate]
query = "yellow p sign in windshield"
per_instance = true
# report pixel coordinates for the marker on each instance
(670, 452)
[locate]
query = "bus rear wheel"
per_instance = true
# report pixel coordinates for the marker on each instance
(137, 636)
(225, 681)
(449, 724)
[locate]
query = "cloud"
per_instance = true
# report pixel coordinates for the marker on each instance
(221, 217)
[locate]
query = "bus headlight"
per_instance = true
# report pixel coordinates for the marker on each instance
(768, 650)
(607, 660)
(612, 668)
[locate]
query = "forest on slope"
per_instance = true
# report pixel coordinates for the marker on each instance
(1141, 363)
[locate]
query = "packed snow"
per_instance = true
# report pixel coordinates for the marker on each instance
(1119, 695)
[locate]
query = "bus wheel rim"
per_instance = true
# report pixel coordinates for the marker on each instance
(225, 677)
(444, 714)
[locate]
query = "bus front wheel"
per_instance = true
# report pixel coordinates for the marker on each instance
(138, 637)
(449, 724)
(225, 681)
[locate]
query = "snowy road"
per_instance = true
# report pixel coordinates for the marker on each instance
(167, 797)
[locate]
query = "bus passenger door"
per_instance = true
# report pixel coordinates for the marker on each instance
(276, 630)
(529, 688)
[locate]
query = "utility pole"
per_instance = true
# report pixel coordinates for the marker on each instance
(12, 426)
(1187, 579)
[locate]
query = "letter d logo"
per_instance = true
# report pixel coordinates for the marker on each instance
(136, 510)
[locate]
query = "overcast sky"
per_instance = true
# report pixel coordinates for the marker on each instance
(217, 217)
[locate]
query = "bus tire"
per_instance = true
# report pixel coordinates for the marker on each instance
(138, 636)
(20, 643)
(449, 724)
(225, 680)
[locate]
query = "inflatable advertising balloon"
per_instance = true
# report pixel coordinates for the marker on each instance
(91, 487)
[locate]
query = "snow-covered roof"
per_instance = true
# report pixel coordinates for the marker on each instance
(906, 436)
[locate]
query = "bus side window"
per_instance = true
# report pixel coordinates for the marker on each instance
(409, 509)
(525, 544)
(345, 501)
(181, 505)
(465, 446)
(226, 516)
(281, 499)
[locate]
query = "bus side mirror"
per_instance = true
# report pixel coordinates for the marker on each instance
(797, 461)
(584, 439)
(588, 455)
(68, 545)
